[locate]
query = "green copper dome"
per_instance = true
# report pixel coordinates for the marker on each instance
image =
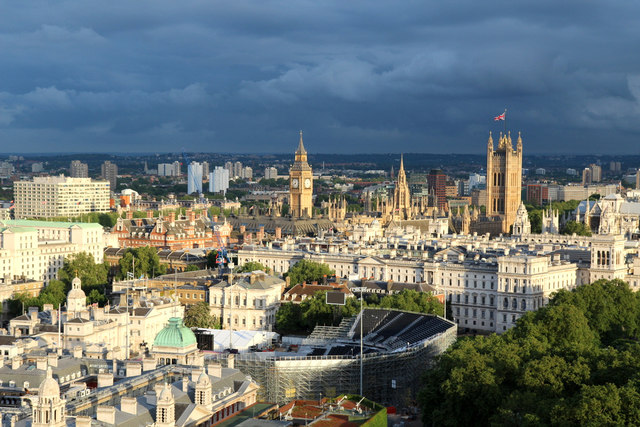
(175, 334)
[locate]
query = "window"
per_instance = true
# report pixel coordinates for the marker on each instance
(506, 303)
(523, 304)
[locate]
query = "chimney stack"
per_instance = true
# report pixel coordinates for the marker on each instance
(106, 414)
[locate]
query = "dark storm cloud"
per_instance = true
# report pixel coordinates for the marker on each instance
(357, 75)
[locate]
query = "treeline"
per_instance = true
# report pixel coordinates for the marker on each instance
(300, 319)
(573, 362)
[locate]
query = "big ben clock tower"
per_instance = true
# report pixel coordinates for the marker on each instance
(301, 184)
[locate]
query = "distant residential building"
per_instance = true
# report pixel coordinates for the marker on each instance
(437, 183)
(615, 167)
(166, 169)
(59, 196)
(572, 172)
(79, 169)
(109, 171)
(194, 178)
(581, 192)
(475, 180)
(219, 180)
(237, 170)
(205, 169)
(596, 173)
(270, 173)
(37, 167)
(6, 169)
(537, 193)
(229, 166)
(541, 171)
(176, 168)
(247, 173)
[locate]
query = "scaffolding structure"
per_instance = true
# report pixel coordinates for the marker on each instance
(390, 378)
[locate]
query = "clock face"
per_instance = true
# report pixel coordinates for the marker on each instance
(294, 183)
(307, 183)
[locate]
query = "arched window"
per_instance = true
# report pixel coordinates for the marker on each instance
(523, 304)
(514, 304)
(506, 303)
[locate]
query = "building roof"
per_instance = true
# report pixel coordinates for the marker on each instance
(49, 224)
(260, 281)
(175, 334)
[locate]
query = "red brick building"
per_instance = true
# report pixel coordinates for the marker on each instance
(169, 232)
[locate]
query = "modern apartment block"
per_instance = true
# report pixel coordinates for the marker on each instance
(59, 196)
(78, 169)
(110, 173)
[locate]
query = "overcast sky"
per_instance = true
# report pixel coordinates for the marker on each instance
(356, 76)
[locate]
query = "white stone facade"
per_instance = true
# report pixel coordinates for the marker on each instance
(36, 249)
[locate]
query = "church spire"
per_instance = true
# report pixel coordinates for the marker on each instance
(401, 162)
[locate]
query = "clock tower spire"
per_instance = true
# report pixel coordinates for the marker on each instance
(301, 184)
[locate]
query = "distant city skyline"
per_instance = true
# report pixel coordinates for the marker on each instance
(357, 77)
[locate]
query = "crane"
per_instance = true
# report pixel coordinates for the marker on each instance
(222, 257)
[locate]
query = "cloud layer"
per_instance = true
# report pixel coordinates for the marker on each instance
(357, 76)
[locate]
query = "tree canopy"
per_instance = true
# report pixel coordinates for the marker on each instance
(250, 266)
(573, 362)
(85, 267)
(199, 316)
(147, 262)
(308, 271)
(578, 228)
(94, 276)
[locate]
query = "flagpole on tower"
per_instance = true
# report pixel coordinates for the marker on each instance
(505, 121)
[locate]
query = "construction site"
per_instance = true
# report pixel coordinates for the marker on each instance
(396, 347)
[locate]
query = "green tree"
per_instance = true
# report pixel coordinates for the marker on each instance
(211, 259)
(573, 362)
(410, 300)
(54, 293)
(571, 227)
(199, 316)
(250, 266)
(95, 296)
(83, 265)
(308, 271)
(289, 318)
(192, 268)
(147, 262)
